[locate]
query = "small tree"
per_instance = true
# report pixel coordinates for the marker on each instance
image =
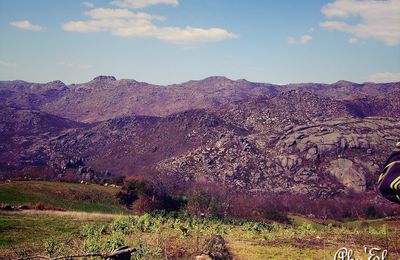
(142, 196)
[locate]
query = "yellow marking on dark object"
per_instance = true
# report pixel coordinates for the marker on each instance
(394, 182)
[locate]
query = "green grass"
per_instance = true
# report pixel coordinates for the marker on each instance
(29, 233)
(26, 234)
(69, 196)
(245, 250)
(23, 234)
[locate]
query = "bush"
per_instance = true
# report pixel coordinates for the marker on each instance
(215, 247)
(146, 223)
(276, 216)
(52, 247)
(144, 204)
(208, 199)
(372, 212)
(92, 241)
(116, 240)
(142, 196)
(145, 251)
(39, 206)
(121, 224)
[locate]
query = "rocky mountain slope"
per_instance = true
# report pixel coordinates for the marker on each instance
(134, 145)
(22, 128)
(321, 159)
(106, 98)
(290, 142)
(386, 105)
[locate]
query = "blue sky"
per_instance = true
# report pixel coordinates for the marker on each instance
(172, 41)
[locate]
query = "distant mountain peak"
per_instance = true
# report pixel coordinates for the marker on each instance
(216, 78)
(243, 80)
(57, 83)
(345, 82)
(103, 78)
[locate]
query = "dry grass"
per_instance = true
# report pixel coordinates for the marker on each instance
(72, 214)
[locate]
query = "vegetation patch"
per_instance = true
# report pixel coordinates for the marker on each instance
(69, 196)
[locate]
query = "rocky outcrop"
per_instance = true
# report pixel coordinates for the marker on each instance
(293, 142)
(347, 172)
(320, 159)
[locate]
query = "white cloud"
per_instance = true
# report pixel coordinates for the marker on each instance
(125, 23)
(8, 65)
(304, 39)
(104, 13)
(193, 35)
(26, 25)
(88, 4)
(72, 65)
(384, 77)
(137, 4)
(353, 40)
(379, 19)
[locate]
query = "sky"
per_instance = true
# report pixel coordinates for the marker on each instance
(172, 41)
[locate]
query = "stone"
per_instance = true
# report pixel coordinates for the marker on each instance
(348, 174)
(312, 154)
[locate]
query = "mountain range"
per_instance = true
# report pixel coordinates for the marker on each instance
(322, 140)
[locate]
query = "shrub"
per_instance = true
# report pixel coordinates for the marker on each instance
(121, 224)
(215, 247)
(145, 251)
(372, 212)
(116, 240)
(144, 204)
(146, 223)
(92, 244)
(92, 241)
(52, 247)
(305, 228)
(39, 206)
(276, 216)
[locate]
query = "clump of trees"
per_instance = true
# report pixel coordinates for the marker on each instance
(142, 196)
(212, 200)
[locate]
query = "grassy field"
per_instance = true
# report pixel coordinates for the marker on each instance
(57, 233)
(52, 233)
(26, 233)
(69, 196)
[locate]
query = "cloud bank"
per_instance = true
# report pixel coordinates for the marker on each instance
(88, 4)
(26, 25)
(126, 23)
(302, 40)
(137, 4)
(378, 19)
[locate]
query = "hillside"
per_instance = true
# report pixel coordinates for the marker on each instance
(346, 90)
(105, 97)
(68, 196)
(278, 111)
(385, 105)
(22, 128)
(292, 142)
(133, 145)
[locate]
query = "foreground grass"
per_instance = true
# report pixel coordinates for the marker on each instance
(158, 237)
(96, 223)
(25, 233)
(69, 196)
